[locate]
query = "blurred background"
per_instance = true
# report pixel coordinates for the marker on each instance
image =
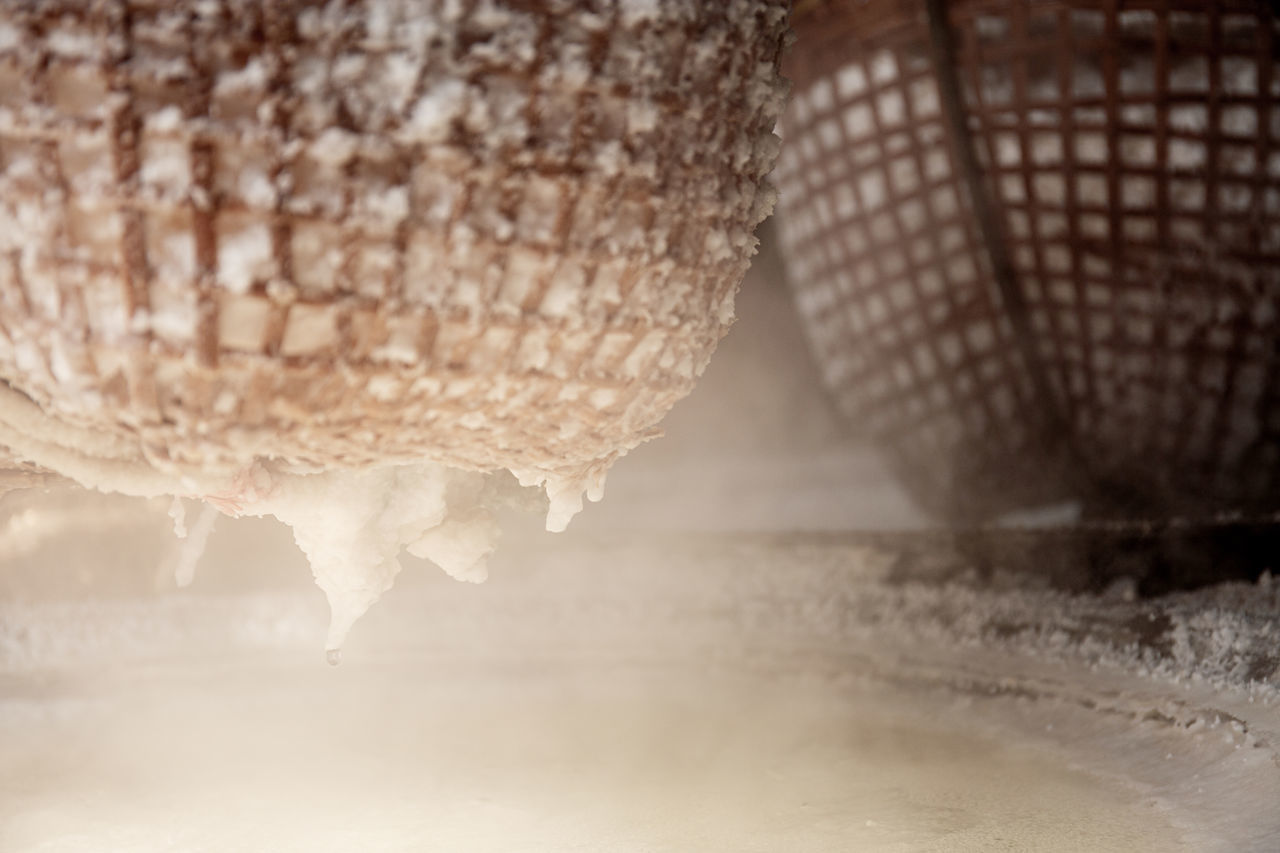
(758, 445)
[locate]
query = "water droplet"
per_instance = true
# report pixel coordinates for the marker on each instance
(333, 656)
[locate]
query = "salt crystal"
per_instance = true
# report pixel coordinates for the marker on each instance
(353, 525)
(637, 12)
(10, 36)
(434, 113)
(165, 120)
(563, 295)
(173, 315)
(226, 402)
(74, 43)
(346, 69)
(243, 255)
(334, 147)
(193, 547)
(166, 164)
(383, 388)
(178, 512)
(256, 188)
(642, 116)
(389, 205)
(253, 76)
(399, 77)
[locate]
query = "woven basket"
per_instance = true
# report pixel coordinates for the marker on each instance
(488, 234)
(1037, 245)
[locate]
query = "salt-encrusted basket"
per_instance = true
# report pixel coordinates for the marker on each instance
(490, 234)
(1037, 245)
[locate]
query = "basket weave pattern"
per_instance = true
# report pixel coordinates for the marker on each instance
(492, 234)
(1132, 152)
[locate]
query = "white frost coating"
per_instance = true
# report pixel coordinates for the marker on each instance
(642, 116)
(635, 12)
(460, 546)
(252, 77)
(406, 79)
(352, 526)
(74, 44)
(436, 111)
(192, 549)
(562, 297)
(242, 256)
(178, 512)
(166, 120)
(256, 188)
(10, 37)
(92, 458)
(334, 147)
(389, 205)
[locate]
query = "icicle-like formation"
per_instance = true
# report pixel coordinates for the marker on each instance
(193, 545)
(352, 525)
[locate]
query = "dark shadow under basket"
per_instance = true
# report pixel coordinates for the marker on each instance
(1065, 280)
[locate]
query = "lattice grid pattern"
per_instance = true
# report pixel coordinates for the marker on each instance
(1133, 152)
(498, 233)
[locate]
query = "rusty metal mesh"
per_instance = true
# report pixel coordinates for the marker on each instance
(493, 235)
(1131, 153)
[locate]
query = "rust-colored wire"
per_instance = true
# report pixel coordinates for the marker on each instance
(942, 49)
(1015, 302)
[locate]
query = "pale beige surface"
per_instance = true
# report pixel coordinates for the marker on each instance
(647, 693)
(398, 757)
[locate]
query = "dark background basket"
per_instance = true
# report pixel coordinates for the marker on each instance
(1129, 156)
